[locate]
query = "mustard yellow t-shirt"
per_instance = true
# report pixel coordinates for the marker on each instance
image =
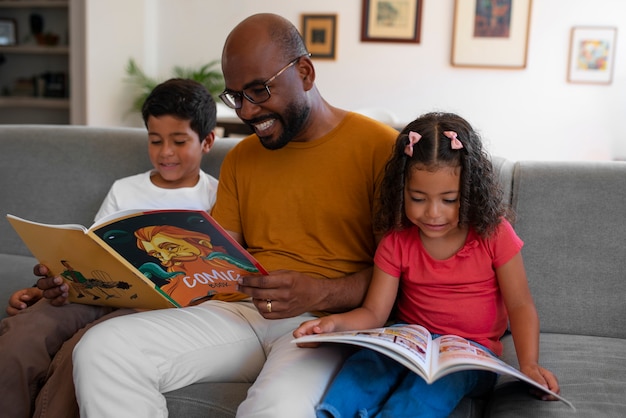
(308, 206)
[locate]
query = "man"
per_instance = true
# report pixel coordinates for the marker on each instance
(300, 195)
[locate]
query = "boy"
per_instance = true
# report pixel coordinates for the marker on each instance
(37, 341)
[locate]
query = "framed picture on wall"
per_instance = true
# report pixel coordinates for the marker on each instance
(320, 35)
(8, 32)
(391, 21)
(491, 33)
(591, 55)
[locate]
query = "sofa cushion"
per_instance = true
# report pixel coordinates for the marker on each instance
(215, 400)
(571, 218)
(591, 373)
(220, 400)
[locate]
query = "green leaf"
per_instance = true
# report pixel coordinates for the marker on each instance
(209, 75)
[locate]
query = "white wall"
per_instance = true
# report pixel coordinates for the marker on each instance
(532, 113)
(115, 31)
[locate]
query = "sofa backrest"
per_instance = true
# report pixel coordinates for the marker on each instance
(36, 159)
(571, 216)
(60, 174)
(503, 168)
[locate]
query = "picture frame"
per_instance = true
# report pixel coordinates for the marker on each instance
(319, 32)
(591, 54)
(491, 37)
(391, 21)
(8, 32)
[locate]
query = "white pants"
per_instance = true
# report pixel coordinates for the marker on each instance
(123, 365)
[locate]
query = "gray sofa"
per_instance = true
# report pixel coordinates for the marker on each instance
(571, 216)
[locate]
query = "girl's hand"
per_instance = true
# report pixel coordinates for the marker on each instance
(22, 299)
(545, 378)
(314, 326)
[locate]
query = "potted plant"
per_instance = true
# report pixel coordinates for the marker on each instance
(207, 75)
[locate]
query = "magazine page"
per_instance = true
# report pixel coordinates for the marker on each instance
(185, 253)
(452, 353)
(409, 345)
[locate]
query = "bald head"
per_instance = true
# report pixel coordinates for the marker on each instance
(265, 31)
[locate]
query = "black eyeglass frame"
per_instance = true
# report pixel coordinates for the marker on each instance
(235, 101)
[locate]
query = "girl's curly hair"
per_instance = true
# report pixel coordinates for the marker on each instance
(481, 197)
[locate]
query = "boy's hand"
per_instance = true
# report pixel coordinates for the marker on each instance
(545, 378)
(54, 288)
(22, 299)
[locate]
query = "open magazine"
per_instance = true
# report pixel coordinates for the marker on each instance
(413, 347)
(147, 259)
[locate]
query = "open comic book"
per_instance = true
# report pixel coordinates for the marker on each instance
(147, 259)
(413, 347)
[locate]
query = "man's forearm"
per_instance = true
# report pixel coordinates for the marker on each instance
(345, 293)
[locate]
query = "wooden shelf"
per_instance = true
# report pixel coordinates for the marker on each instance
(233, 127)
(35, 49)
(35, 102)
(15, 4)
(49, 65)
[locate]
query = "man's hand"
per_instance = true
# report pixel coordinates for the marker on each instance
(54, 288)
(22, 299)
(283, 293)
(286, 293)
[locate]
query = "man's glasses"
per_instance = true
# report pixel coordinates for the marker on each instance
(255, 94)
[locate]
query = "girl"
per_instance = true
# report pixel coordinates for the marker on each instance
(453, 260)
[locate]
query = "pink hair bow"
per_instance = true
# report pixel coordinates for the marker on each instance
(455, 143)
(414, 137)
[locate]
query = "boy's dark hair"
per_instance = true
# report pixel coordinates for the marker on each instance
(481, 196)
(184, 99)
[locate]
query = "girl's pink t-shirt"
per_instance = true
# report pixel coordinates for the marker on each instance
(459, 295)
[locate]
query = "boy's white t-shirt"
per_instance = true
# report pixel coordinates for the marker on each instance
(138, 192)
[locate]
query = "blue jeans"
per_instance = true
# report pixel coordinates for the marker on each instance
(372, 385)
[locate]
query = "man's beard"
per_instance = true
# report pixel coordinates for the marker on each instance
(292, 123)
